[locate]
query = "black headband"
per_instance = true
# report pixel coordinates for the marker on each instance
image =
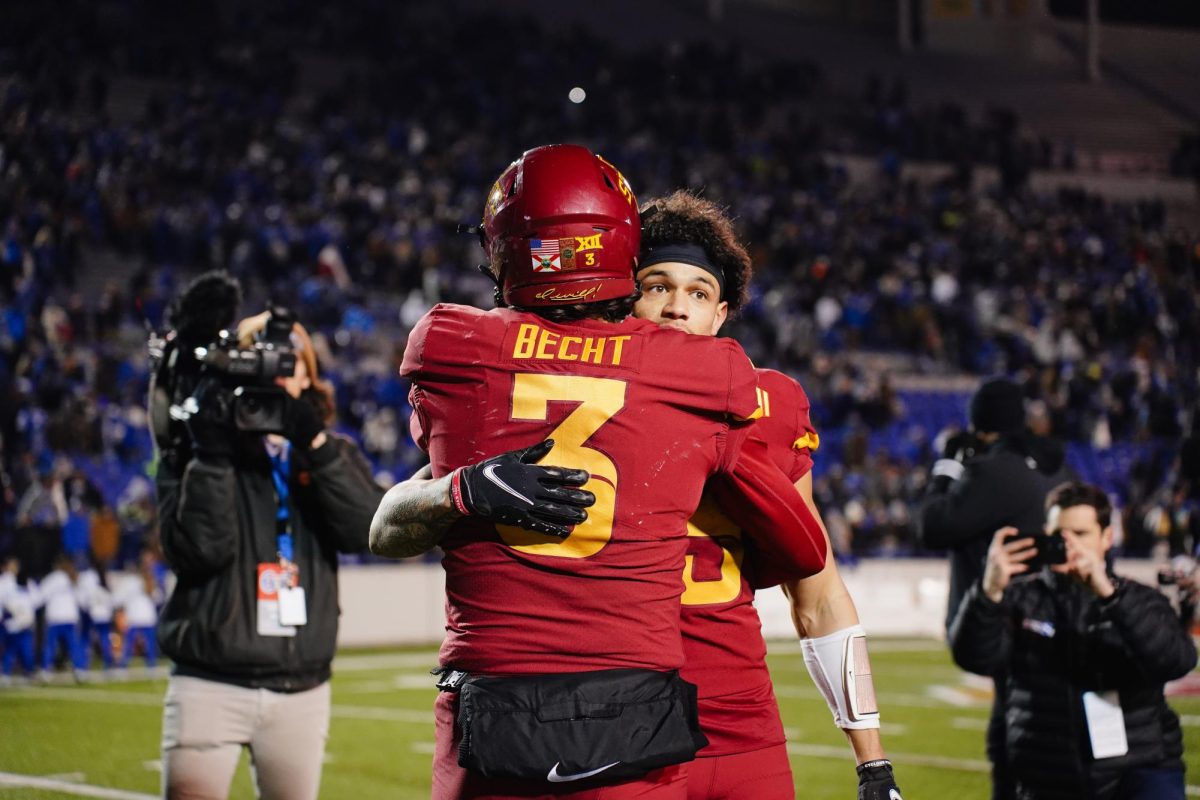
(682, 253)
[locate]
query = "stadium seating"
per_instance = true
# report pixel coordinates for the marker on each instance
(336, 190)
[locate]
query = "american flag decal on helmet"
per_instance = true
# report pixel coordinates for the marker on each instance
(546, 255)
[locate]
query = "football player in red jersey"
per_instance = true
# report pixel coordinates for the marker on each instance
(562, 649)
(693, 274)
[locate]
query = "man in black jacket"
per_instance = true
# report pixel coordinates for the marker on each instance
(252, 527)
(999, 474)
(1083, 655)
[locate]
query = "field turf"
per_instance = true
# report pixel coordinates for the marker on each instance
(101, 740)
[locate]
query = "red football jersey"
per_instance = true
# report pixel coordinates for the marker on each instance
(722, 636)
(645, 410)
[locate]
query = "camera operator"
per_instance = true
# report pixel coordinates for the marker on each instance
(252, 525)
(996, 474)
(1084, 655)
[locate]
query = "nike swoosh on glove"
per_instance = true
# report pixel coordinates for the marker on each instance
(512, 489)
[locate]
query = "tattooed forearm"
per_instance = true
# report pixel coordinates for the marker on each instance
(412, 518)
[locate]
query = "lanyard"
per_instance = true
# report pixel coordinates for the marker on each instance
(279, 474)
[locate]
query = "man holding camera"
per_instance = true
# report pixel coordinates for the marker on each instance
(1083, 655)
(256, 500)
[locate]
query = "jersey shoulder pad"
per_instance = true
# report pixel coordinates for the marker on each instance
(446, 336)
(784, 387)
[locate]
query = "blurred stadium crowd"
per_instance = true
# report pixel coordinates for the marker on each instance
(334, 185)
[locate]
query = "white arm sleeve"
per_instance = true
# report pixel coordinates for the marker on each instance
(840, 668)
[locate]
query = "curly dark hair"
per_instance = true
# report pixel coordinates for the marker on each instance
(683, 218)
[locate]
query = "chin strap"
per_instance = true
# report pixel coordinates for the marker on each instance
(485, 268)
(497, 293)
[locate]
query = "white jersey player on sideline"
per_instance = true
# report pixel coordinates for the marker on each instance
(18, 602)
(138, 604)
(97, 602)
(58, 593)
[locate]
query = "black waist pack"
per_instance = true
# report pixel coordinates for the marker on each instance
(594, 727)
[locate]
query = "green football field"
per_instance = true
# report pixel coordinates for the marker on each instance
(101, 740)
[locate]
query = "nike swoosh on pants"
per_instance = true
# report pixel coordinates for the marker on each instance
(554, 777)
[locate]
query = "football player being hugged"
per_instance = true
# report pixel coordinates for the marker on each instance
(693, 274)
(560, 665)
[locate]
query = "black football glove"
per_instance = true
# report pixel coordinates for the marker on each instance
(513, 490)
(876, 782)
(210, 420)
(301, 422)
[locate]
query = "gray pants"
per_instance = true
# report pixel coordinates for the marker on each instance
(206, 724)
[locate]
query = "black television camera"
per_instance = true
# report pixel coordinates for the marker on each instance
(198, 367)
(1051, 548)
(245, 395)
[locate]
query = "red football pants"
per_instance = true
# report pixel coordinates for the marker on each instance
(452, 782)
(758, 775)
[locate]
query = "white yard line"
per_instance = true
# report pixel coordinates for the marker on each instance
(928, 672)
(69, 777)
(792, 646)
(969, 724)
(885, 698)
(413, 681)
(959, 697)
(843, 753)
(381, 661)
(403, 715)
(78, 789)
(136, 699)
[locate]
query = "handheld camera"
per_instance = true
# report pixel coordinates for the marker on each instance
(258, 404)
(1051, 549)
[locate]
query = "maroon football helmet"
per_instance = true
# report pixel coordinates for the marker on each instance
(561, 227)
